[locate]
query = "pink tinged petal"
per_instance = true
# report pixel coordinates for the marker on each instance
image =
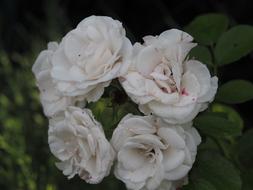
(46, 86)
(159, 76)
(188, 157)
(139, 175)
(177, 72)
(59, 58)
(155, 180)
(175, 36)
(147, 60)
(73, 45)
(52, 46)
(153, 90)
(148, 139)
(171, 137)
(131, 185)
(42, 62)
(174, 114)
(121, 175)
(167, 185)
(139, 126)
(190, 85)
(195, 134)
(67, 169)
(61, 73)
(149, 40)
(173, 158)
(125, 52)
(209, 96)
(93, 33)
(92, 144)
(131, 158)
(202, 74)
(97, 92)
(177, 173)
(52, 107)
(76, 74)
(189, 112)
(135, 83)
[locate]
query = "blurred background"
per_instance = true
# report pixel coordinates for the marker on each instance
(25, 28)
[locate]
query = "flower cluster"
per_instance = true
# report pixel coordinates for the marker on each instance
(154, 151)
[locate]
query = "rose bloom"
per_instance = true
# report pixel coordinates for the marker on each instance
(164, 82)
(52, 100)
(90, 56)
(151, 152)
(78, 141)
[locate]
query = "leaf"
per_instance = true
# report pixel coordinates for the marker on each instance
(245, 149)
(217, 170)
(235, 91)
(202, 54)
(247, 180)
(234, 44)
(206, 29)
(209, 144)
(199, 184)
(230, 112)
(216, 126)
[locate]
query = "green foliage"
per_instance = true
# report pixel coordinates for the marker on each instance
(231, 114)
(245, 147)
(21, 166)
(225, 156)
(247, 180)
(224, 160)
(206, 29)
(202, 54)
(235, 91)
(234, 44)
(217, 170)
(216, 126)
(199, 184)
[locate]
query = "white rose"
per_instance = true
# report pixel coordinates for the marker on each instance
(90, 56)
(162, 81)
(78, 140)
(51, 99)
(150, 151)
(171, 185)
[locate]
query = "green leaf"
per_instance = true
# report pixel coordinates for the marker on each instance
(230, 112)
(234, 44)
(199, 184)
(247, 180)
(206, 29)
(235, 91)
(245, 148)
(217, 170)
(202, 54)
(209, 144)
(216, 126)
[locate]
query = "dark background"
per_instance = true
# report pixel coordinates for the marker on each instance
(26, 27)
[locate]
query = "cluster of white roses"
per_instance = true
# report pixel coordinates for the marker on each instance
(155, 151)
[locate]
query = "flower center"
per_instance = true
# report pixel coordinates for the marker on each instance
(163, 76)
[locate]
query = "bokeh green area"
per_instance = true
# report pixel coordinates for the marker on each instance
(25, 159)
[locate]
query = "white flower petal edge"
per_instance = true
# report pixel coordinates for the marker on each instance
(164, 82)
(171, 185)
(52, 100)
(150, 151)
(78, 141)
(90, 56)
